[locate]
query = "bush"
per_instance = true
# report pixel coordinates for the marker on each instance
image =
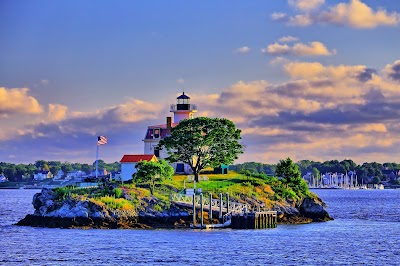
(118, 192)
(62, 192)
(113, 203)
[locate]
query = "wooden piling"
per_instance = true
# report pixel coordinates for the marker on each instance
(201, 210)
(194, 209)
(220, 207)
(210, 210)
(255, 220)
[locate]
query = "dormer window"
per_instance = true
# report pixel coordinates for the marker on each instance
(156, 133)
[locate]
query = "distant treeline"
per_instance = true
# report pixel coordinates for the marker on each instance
(21, 172)
(365, 171)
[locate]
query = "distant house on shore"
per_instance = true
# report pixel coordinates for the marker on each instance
(42, 175)
(75, 174)
(60, 174)
(128, 164)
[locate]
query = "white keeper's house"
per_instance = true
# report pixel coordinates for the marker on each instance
(183, 109)
(128, 164)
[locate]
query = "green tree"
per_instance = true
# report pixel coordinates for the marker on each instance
(288, 170)
(152, 172)
(54, 169)
(66, 167)
(86, 168)
(291, 175)
(203, 142)
(39, 164)
(101, 164)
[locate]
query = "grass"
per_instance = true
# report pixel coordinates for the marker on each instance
(267, 190)
(113, 203)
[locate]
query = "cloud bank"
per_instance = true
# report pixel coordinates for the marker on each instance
(355, 14)
(321, 112)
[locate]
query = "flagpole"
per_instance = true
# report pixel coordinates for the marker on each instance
(97, 159)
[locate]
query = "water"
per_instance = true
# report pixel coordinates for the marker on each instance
(366, 231)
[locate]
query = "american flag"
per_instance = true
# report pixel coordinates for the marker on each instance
(101, 140)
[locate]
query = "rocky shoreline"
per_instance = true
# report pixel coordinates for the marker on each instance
(73, 213)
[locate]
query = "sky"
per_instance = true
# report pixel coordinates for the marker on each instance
(306, 79)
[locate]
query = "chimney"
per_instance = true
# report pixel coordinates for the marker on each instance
(169, 126)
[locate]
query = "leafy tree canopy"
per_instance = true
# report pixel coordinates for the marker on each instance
(148, 171)
(291, 175)
(203, 142)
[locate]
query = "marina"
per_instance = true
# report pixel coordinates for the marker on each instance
(338, 181)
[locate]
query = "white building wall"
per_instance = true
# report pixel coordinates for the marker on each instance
(127, 170)
(149, 146)
(178, 116)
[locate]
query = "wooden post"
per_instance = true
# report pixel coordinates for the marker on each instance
(227, 202)
(210, 210)
(220, 207)
(194, 209)
(201, 210)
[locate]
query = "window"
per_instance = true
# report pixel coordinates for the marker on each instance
(157, 152)
(156, 133)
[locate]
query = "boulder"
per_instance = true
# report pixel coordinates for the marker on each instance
(315, 209)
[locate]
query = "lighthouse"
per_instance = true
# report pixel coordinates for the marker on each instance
(183, 109)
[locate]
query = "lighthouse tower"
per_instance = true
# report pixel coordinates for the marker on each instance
(183, 109)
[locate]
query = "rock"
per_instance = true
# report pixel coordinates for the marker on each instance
(43, 202)
(73, 212)
(314, 209)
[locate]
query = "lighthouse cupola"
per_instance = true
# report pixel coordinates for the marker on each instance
(183, 109)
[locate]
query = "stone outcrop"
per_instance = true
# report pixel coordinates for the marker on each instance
(315, 209)
(70, 212)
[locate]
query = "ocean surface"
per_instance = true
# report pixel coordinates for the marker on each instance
(366, 231)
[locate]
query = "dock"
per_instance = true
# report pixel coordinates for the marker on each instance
(230, 214)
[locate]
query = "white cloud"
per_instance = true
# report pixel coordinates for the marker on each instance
(354, 14)
(134, 110)
(301, 20)
(306, 5)
(288, 39)
(359, 15)
(243, 50)
(278, 16)
(299, 49)
(392, 71)
(57, 112)
(18, 101)
(279, 60)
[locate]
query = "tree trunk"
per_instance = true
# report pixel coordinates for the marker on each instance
(151, 187)
(196, 176)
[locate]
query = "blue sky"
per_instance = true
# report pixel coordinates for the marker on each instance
(311, 79)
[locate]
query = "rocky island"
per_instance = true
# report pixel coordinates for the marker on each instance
(132, 206)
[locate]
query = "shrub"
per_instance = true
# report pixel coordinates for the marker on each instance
(113, 203)
(118, 192)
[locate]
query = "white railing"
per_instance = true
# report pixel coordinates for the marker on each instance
(234, 207)
(191, 107)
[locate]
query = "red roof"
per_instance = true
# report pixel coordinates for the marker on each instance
(137, 158)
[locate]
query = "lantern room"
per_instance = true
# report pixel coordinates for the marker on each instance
(183, 109)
